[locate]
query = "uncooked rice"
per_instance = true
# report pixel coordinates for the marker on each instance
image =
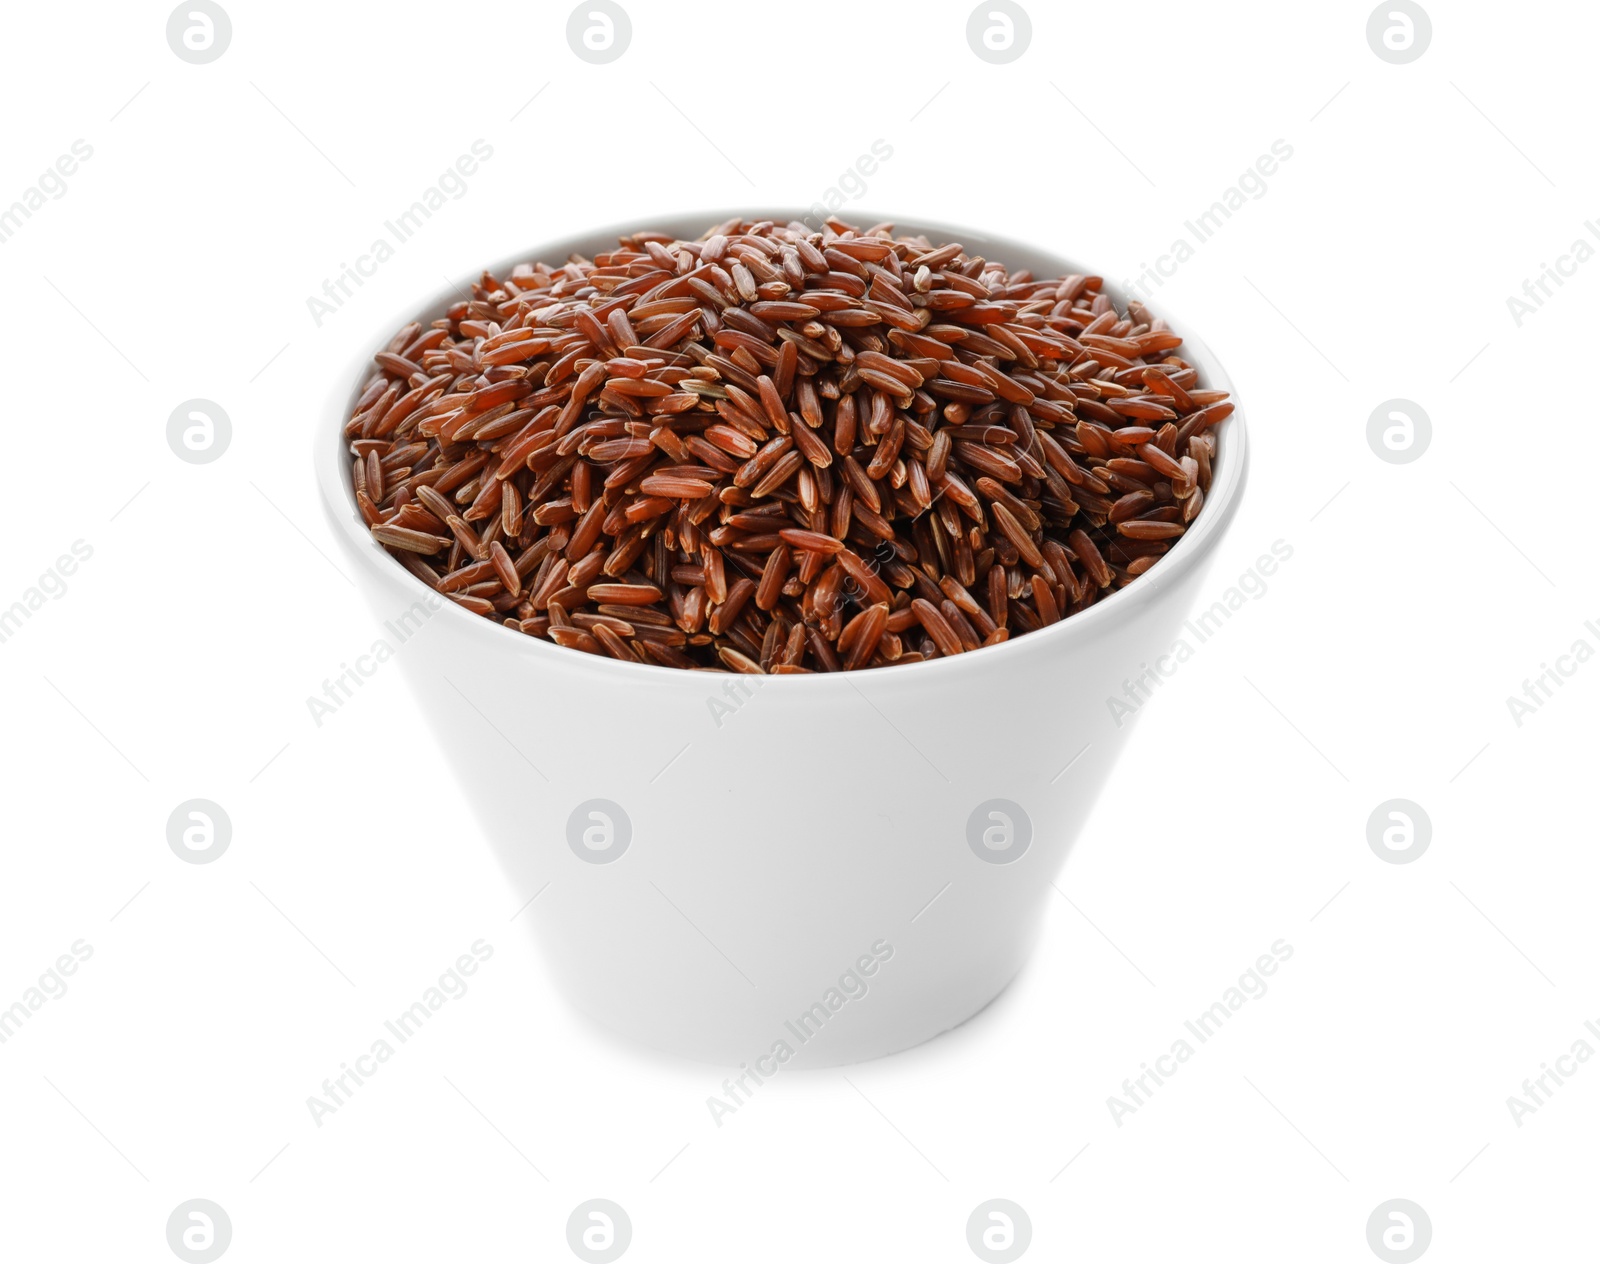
(778, 450)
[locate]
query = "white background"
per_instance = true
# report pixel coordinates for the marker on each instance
(1377, 665)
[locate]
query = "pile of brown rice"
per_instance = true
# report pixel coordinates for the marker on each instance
(779, 450)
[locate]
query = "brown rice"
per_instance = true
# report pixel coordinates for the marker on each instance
(779, 450)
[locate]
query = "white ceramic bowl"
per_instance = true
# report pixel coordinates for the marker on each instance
(791, 863)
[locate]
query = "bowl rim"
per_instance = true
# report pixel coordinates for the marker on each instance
(1196, 544)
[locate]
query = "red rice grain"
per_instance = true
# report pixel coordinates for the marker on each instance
(774, 450)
